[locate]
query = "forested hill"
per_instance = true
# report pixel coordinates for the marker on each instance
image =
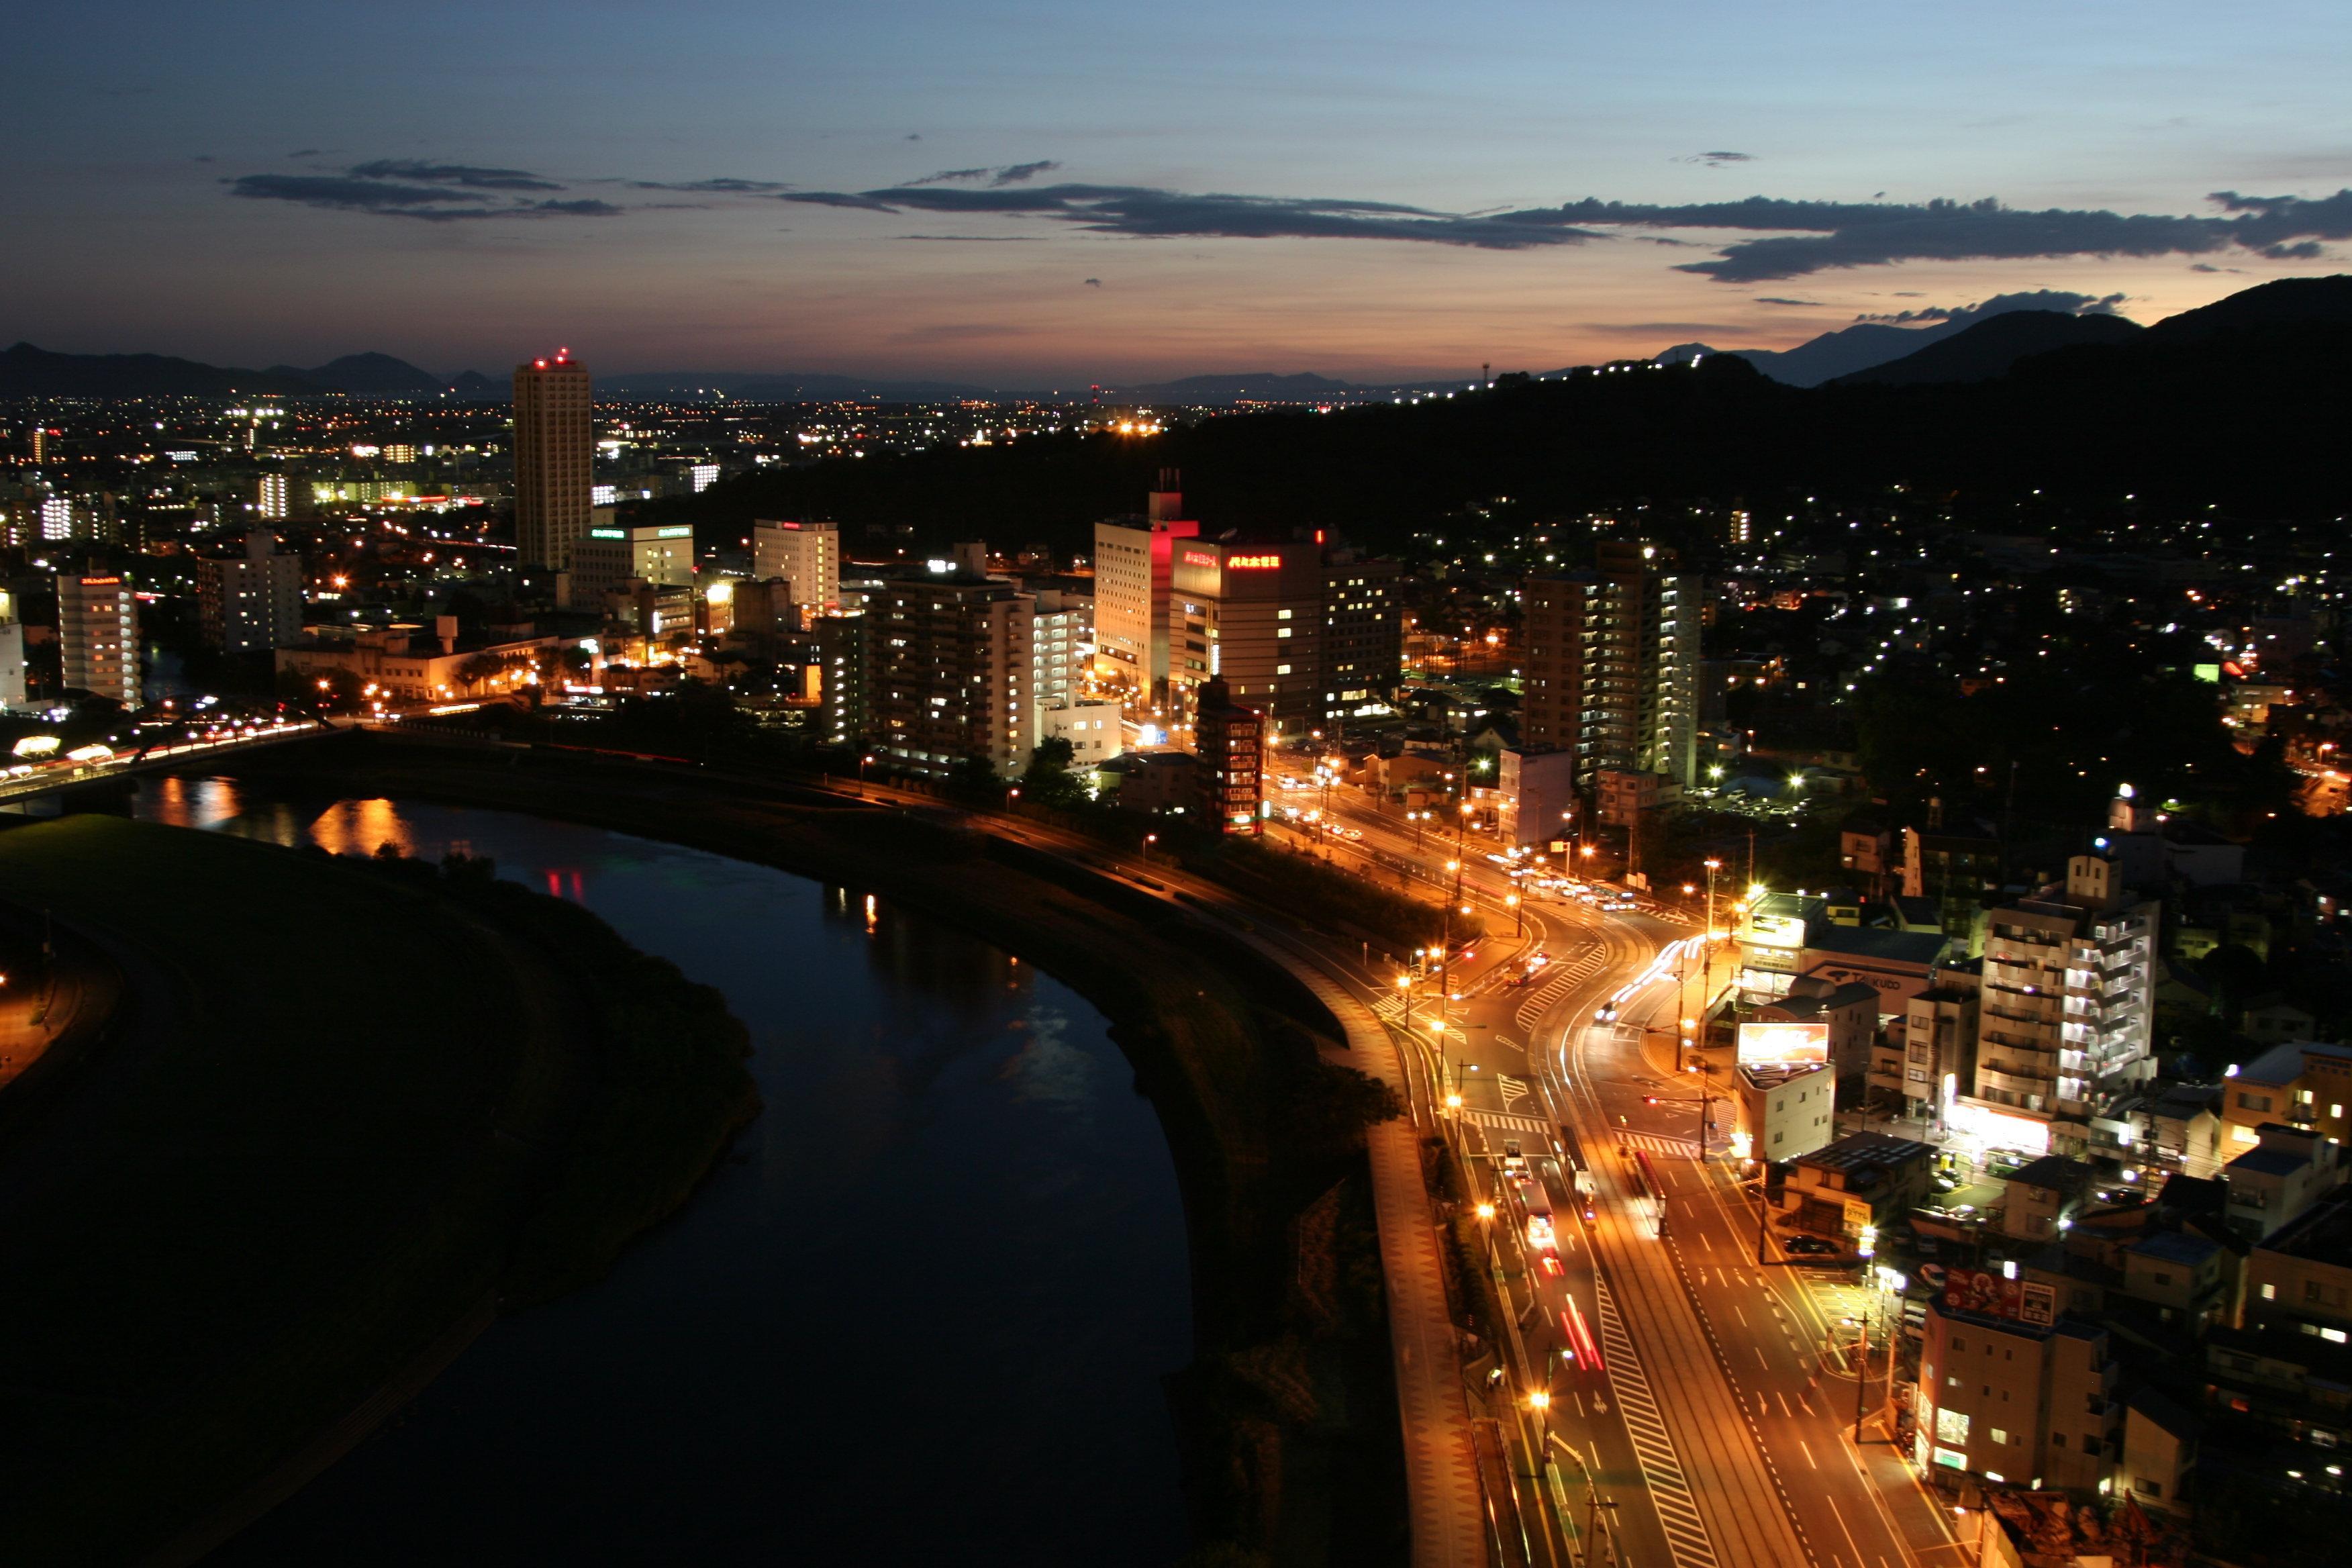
(2246, 418)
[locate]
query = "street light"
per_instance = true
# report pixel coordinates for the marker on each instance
(1148, 840)
(1518, 914)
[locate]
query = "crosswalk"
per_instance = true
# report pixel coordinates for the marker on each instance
(1669, 1488)
(1658, 1143)
(1507, 1121)
(1573, 967)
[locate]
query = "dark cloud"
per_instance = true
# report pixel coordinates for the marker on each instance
(994, 173)
(1718, 160)
(1094, 282)
(2060, 300)
(1774, 299)
(304, 153)
(717, 187)
(979, 239)
(469, 176)
(432, 204)
(1145, 212)
(1833, 235)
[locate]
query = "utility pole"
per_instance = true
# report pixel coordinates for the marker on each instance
(1862, 1377)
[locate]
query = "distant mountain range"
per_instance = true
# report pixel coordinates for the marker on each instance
(2240, 406)
(1989, 348)
(29, 372)
(1980, 345)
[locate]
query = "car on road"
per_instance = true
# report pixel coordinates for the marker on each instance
(1809, 1246)
(1607, 1014)
(1514, 1160)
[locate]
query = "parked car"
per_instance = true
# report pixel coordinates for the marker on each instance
(1808, 1246)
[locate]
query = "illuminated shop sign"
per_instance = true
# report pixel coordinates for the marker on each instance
(1253, 562)
(1761, 1044)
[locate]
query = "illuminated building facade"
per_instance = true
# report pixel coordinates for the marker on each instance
(554, 446)
(253, 599)
(806, 554)
(1134, 571)
(1229, 740)
(1612, 664)
(1253, 615)
(98, 638)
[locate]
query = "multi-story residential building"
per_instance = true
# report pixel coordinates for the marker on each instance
(948, 669)
(1229, 739)
(98, 638)
(253, 600)
(554, 450)
(1931, 1054)
(12, 654)
(2275, 1180)
(1363, 634)
(841, 677)
(1134, 569)
(2011, 1393)
(2302, 1084)
(270, 501)
(1253, 615)
(2064, 1012)
(1612, 664)
(806, 554)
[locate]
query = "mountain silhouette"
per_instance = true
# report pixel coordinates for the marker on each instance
(368, 374)
(2246, 417)
(29, 372)
(1986, 349)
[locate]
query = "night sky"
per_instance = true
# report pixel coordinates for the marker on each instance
(1059, 193)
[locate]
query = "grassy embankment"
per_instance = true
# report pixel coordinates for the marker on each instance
(352, 1107)
(1286, 1416)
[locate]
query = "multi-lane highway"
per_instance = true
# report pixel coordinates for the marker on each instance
(1693, 1411)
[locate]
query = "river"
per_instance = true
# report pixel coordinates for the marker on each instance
(920, 1315)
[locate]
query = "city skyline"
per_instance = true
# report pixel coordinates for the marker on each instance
(1058, 195)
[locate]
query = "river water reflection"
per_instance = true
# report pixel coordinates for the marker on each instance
(920, 1315)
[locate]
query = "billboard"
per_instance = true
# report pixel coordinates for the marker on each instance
(1763, 1044)
(1989, 1295)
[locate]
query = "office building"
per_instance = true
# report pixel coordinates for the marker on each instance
(1134, 571)
(270, 499)
(806, 554)
(1783, 1109)
(253, 599)
(98, 638)
(2064, 1011)
(611, 555)
(1610, 671)
(554, 446)
(1363, 637)
(948, 669)
(56, 519)
(1229, 742)
(1251, 615)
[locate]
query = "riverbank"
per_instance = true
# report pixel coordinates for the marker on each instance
(345, 1107)
(1286, 1416)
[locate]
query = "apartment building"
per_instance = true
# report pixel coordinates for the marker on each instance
(806, 554)
(555, 453)
(250, 600)
(1612, 663)
(98, 638)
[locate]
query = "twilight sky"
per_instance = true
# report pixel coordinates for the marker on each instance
(1054, 192)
